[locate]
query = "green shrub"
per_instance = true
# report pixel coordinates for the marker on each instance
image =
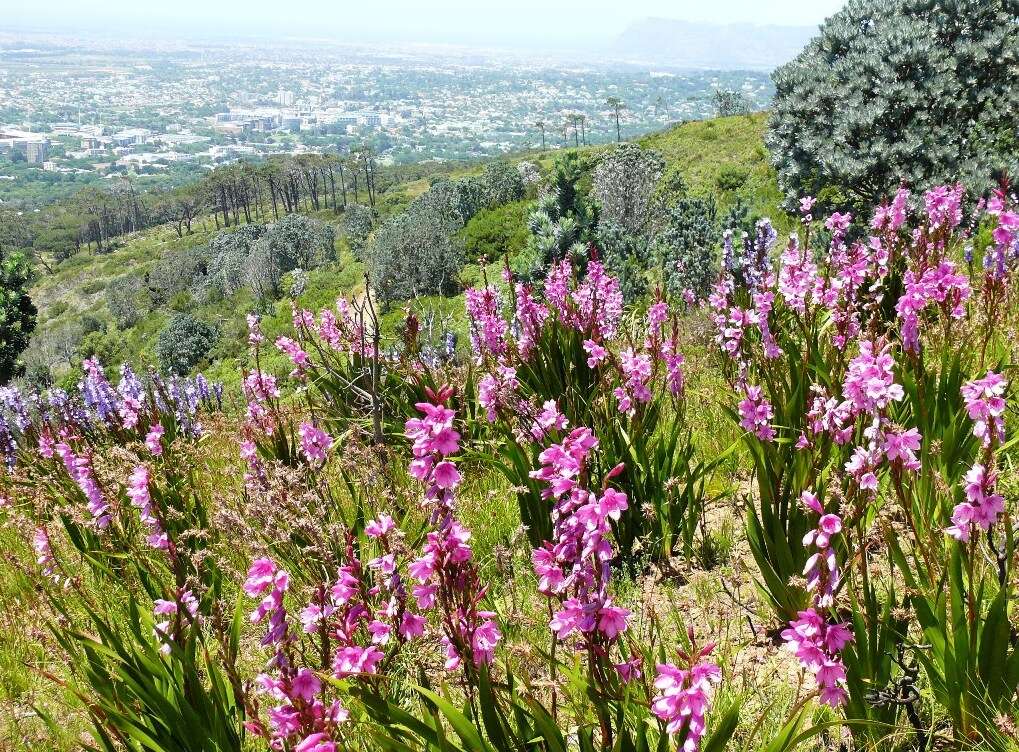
(494, 232)
(732, 178)
(184, 343)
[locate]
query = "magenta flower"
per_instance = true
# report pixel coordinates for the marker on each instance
(684, 697)
(901, 447)
(80, 470)
(548, 419)
(595, 353)
(488, 328)
(381, 527)
(985, 403)
(982, 505)
(315, 443)
(756, 413)
(352, 660)
(44, 554)
(870, 381)
(318, 742)
(816, 644)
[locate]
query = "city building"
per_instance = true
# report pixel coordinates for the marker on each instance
(36, 151)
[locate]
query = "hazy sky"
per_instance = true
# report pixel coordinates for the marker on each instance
(559, 21)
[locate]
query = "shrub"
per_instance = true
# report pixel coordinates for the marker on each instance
(494, 232)
(414, 254)
(179, 271)
(54, 310)
(124, 301)
(687, 248)
(561, 222)
(731, 178)
(920, 91)
(503, 184)
(228, 252)
(624, 186)
(358, 223)
(17, 312)
(184, 343)
(626, 257)
(729, 103)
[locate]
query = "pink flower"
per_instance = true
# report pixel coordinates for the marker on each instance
(985, 403)
(548, 419)
(381, 527)
(484, 640)
(255, 337)
(684, 699)
(901, 448)
(315, 443)
(411, 625)
(261, 574)
(612, 620)
(756, 413)
(379, 632)
(488, 328)
(305, 685)
(153, 440)
(816, 644)
(318, 742)
(80, 470)
(446, 475)
(657, 315)
(353, 660)
(595, 352)
(982, 505)
(870, 382)
(944, 205)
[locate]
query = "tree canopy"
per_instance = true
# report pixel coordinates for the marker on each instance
(17, 312)
(891, 91)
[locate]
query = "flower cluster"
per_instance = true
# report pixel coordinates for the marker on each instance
(445, 572)
(270, 583)
(315, 443)
(822, 569)
(684, 694)
(594, 306)
(98, 413)
(488, 328)
(80, 469)
(816, 644)
(138, 492)
(574, 567)
(982, 505)
(985, 403)
(756, 412)
(300, 718)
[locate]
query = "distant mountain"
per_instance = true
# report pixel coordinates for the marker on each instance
(685, 44)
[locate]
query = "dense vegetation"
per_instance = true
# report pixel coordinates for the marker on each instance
(573, 453)
(918, 92)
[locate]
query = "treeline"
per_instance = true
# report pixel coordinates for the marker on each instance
(239, 193)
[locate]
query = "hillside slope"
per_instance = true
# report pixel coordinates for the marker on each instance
(725, 157)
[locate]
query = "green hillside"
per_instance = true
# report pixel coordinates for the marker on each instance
(724, 157)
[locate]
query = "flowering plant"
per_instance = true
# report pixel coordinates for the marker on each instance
(566, 358)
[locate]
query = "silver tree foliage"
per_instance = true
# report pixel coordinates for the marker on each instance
(625, 183)
(921, 91)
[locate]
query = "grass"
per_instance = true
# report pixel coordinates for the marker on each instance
(710, 153)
